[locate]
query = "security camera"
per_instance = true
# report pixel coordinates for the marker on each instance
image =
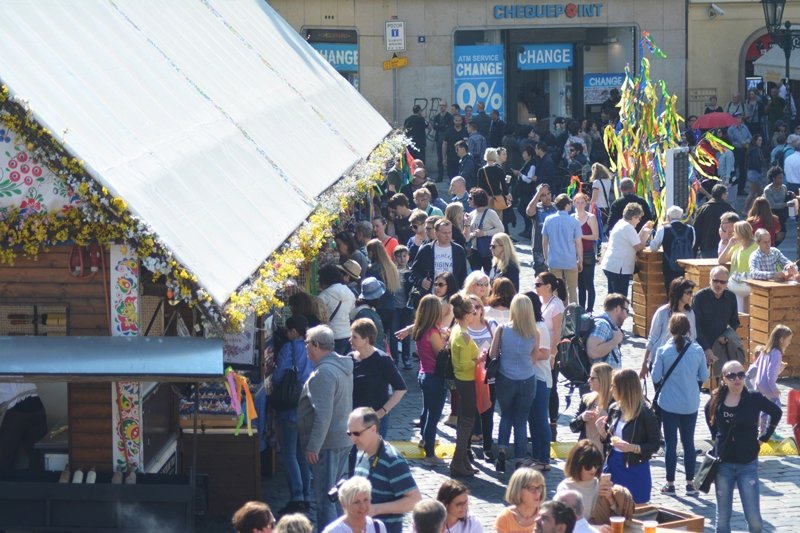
(714, 10)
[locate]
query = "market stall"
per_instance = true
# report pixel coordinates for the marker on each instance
(648, 290)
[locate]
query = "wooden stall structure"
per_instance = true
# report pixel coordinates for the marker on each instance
(648, 290)
(698, 270)
(773, 303)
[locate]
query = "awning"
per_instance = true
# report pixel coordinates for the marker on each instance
(772, 65)
(98, 359)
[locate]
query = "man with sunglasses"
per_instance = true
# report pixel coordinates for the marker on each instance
(324, 404)
(394, 491)
(717, 318)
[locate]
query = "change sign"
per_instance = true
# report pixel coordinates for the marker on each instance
(597, 87)
(479, 75)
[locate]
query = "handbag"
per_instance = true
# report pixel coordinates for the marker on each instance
(483, 244)
(493, 364)
(483, 398)
(444, 363)
(707, 472)
(496, 201)
(658, 386)
(286, 395)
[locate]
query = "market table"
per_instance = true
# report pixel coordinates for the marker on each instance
(648, 290)
(773, 303)
(698, 270)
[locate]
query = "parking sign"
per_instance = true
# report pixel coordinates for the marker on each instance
(395, 36)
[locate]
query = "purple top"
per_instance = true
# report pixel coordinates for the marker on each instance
(767, 374)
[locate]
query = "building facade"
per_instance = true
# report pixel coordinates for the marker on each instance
(532, 60)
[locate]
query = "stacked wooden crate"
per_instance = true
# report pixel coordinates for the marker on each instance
(771, 304)
(744, 333)
(698, 270)
(648, 290)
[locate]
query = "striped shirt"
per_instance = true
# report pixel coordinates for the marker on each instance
(391, 479)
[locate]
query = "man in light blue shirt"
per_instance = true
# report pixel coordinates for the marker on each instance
(562, 246)
(740, 137)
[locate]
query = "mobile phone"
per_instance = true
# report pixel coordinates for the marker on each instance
(605, 477)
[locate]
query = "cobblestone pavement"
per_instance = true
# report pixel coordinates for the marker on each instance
(780, 476)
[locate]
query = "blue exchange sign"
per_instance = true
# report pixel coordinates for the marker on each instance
(479, 76)
(343, 57)
(544, 56)
(597, 87)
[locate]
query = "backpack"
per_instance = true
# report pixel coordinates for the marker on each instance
(680, 248)
(572, 360)
(780, 156)
(286, 395)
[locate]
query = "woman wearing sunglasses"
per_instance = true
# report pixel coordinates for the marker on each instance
(732, 415)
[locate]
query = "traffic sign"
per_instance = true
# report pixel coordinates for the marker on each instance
(395, 36)
(395, 62)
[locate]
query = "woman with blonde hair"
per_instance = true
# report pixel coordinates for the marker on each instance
(525, 493)
(594, 404)
(426, 332)
(517, 345)
(632, 432)
(382, 267)
(454, 212)
(738, 251)
(492, 179)
(355, 498)
(477, 283)
(602, 192)
(482, 331)
(294, 523)
(504, 259)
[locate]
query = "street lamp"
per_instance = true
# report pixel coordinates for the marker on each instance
(785, 37)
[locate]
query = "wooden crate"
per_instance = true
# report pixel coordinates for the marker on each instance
(670, 519)
(698, 270)
(648, 290)
(771, 304)
(744, 333)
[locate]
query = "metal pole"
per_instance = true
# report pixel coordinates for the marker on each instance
(394, 96)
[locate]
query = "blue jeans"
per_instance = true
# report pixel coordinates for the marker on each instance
(539, 423)
(745, 476)
(383, 427)
(673, 423)
(331, 467)
(294, 463)
(618, 282)
(515, 397)
(434, 394)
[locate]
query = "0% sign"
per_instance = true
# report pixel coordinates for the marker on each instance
(469, 93)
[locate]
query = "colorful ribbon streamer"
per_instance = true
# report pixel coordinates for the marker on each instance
(235, 384)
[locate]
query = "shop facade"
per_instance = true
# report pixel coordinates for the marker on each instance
(530, 60)
(731, 50)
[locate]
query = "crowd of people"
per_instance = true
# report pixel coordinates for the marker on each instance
(434, 286)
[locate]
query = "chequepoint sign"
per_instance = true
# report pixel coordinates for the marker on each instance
(532, 11)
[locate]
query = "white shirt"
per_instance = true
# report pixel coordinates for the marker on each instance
(791, 168)
(583, 526)
(470, 525)
(528, 176)
(542, 368)
(620, 255)
(442, 259)
(606, 185)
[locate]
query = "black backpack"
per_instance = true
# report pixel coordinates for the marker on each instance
(572, 360)
(780, 156)
(679, 248)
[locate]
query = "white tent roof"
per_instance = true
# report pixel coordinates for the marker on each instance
(772, 65)
(213, 119)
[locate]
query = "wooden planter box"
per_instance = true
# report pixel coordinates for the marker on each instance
(698, 270)
(38, 502)
(771, 304)
(648, 290)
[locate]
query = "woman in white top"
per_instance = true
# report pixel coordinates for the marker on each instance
(338, 301)
(498, 306)
(619, 257)
(454, 495)
(602, 192)
(355, 496)
(483, 222)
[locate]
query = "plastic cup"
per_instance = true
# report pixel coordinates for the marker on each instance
(617, 524)
(649, 526)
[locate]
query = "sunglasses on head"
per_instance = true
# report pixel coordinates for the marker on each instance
(730, 376)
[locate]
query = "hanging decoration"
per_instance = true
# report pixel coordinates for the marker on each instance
(239, 390)
(93, 214)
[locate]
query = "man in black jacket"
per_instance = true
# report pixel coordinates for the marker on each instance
(440, 255)
(442, 122)
(628, 196)
(707, 221)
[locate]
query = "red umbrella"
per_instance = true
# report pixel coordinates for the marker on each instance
(712, 121)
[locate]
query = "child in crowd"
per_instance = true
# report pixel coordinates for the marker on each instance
(403, 314)
(769, 365)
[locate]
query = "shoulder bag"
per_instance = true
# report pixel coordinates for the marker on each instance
(496, 201)
(444, 363)
(483, 244)
(493, 364)
(286, 395)
(658, 386)
(707, 473)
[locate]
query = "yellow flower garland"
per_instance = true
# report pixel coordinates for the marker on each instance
(105, 219)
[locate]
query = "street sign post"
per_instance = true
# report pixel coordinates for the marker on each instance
(395, 36)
